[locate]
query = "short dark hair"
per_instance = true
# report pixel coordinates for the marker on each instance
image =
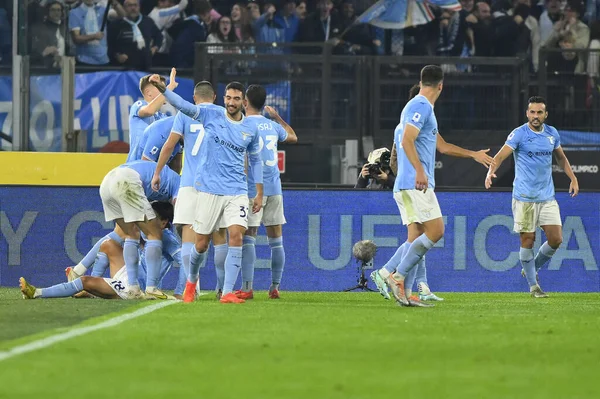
(145, 81)
(163, 210)
(536, 100)
(413, 91)
(431, 75)
(204, 89)
(257, 96)
(201, 7)
(235, 86)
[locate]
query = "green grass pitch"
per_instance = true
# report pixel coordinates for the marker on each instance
(308, 346)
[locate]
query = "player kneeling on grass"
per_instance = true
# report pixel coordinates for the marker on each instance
(117, 286)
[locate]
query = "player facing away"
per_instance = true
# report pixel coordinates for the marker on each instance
(154, 139)
(193, 133)
(419, 273)
(415, 138)
(117, 286)
(271, 213)
(220, 180)
(126, 194)
(144, 112)
(533, 203)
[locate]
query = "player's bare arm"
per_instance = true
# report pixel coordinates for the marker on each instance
(176, 163)
(394, 160)
(258, 200)
(165, 154)
(291, 138)
(563, 162)
(174, 99)
(154, 105)
(504, 153)
(408, 143)
(480, 156)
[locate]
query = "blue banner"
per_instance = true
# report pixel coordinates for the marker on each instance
(102, 102)
(479, 252)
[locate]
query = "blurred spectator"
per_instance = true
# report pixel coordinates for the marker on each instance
(551, 16)
(301, 10)
(452, 34)
(564, 62)
(253, 10)
(85, 22)
(592, 11)
(50, 40)
(359, 38)
(223, 34)
(320, 26)
(241, 23)
(523, 9)
(287, 18)
(133, 40)
(480, 24)
(511, 36)
(164, 15)
(593, 63)
(269, 30)
(71, 4)
(5, 37)
(570, 24)
(194, 28)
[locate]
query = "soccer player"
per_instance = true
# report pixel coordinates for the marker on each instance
(415, 138)
(117, 286)
(271, 214)
(153, 140)
(193, 134)
(533, 203)
(220, 180)
(126, 196)
(144, 112)
(419, 273)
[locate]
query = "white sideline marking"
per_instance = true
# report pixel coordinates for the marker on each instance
(76, 332)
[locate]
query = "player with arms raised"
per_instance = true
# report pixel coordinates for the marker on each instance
(533, 203)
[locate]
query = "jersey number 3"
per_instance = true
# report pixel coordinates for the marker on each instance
(271, 146)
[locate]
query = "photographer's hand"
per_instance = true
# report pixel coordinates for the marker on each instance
(382, 176)
(365, 171)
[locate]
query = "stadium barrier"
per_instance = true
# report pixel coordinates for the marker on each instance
(45, 229)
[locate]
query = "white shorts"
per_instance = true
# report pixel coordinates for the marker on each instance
(185, 206)
(417, 206)
(528, 216)
(271, 213)
(119, 283)
(123, 196)
(210, 208)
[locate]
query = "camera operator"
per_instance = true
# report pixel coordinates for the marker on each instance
(376, 173)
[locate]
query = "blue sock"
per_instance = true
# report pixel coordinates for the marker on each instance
(277, 261)
(90, 257)
(233, 264)
(181, 280)
(409, 281)
(115, 237)
(186, 252)
(100, 265)
(414, 254)
(132, 258)
(421, 274)
(196, 260)
(63, 290)
(526, 257)
(248, 259)
(220, 255)
(396, 258)
(153, 261)
(544, 254)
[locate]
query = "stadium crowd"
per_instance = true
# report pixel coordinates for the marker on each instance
(146, 33)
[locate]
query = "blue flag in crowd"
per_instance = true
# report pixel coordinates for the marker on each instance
(400, 14)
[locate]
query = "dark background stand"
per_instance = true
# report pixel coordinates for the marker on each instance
(362, 280)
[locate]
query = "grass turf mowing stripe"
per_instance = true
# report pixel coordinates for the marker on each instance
(53, 339)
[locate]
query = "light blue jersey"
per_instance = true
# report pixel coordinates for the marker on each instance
(137, 125)
(193, 135)
(418, 112)
(154, 138)
(221, 157)
(169, 186)
(270, 134)
(171, 254)
(533, 162)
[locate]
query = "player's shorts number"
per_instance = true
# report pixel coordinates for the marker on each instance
(243, 212)
(117, 285)
(197, 127)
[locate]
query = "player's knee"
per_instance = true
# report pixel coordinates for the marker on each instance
(109, 247)
(252, 231)
(235, 239)
(555, 242)
(85, 280)
(527, 240)
(201, 246)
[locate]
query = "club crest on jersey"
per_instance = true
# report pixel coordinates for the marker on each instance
(551, 139)
(245, 135)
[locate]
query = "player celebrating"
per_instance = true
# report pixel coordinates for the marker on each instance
(533, 202)
(220, 180)
(154, 139)
(193, 134)
(271, 214)
(415, 138)
(419, 273)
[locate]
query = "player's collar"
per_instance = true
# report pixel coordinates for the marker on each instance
(533, 131)
(231, 120)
